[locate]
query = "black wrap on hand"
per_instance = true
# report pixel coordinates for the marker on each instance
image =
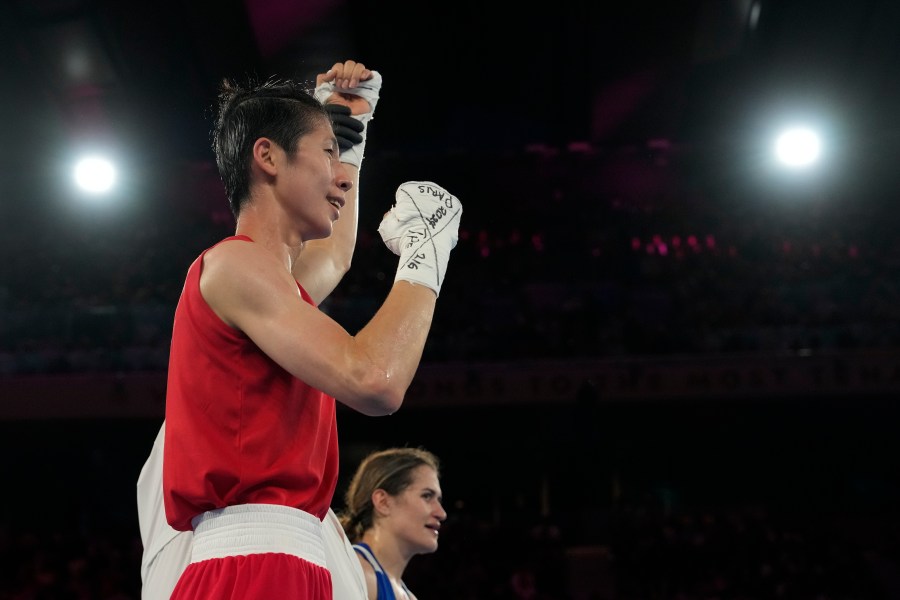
(347, 129)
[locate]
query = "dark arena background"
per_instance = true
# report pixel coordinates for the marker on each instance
(664, 364)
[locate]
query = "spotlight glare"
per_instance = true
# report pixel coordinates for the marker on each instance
(95, 175)
(798, 147)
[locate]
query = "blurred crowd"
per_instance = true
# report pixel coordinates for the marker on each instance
(552, 262)
(546, 266)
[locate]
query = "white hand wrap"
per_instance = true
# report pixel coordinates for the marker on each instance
(422, 228)
(368, 90)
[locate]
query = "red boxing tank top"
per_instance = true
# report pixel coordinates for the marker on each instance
(239, 428)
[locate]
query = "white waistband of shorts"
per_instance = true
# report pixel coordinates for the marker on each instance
(257, 529)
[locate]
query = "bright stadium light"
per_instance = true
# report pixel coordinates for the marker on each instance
(798, 147)
(95, 175)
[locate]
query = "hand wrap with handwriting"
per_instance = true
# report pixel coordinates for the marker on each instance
(422, 228)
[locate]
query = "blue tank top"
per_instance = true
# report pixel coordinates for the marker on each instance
(385, 591)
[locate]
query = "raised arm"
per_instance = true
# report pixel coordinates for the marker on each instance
(323, 263)
(370, 372)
